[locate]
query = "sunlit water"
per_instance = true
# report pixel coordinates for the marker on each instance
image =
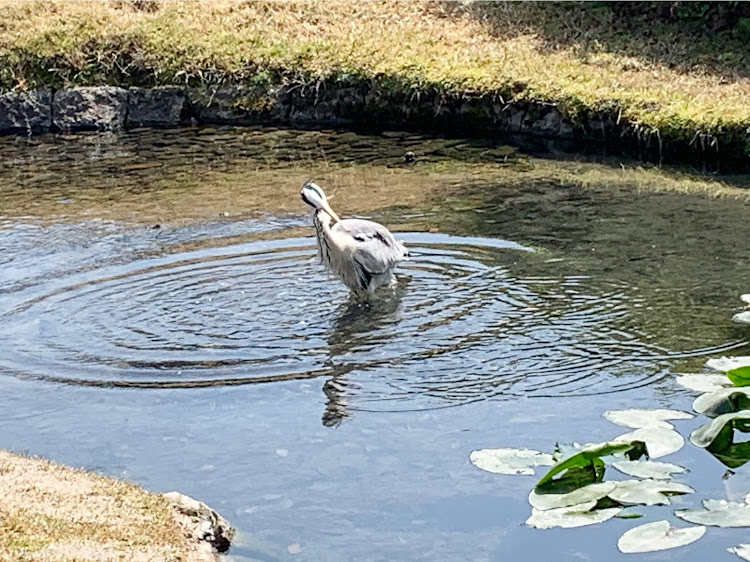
(163, 318)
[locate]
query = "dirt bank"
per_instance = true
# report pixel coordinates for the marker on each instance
(50, 512)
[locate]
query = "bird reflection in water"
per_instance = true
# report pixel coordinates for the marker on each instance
(356, 325)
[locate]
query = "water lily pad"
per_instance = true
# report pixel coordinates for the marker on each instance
(659, 441)
(510, 461)
(740, 376)
(659, 535)
(649, 469)
(726, 363)
(592, 492)
(723, 401)
(638, 418)
(741, 550)
(734, 455)
(565, 450)
(718, 513)
(719, 431)
(647, 492)
(572, 516)
(702, 382)
(590, 458)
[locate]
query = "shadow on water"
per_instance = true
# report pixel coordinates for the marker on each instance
(355, 322)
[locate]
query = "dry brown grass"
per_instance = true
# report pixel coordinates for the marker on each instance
(51, 513)
(581, 58)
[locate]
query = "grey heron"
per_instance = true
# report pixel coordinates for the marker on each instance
(360, 252)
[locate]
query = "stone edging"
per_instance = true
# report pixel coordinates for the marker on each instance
(332, 103)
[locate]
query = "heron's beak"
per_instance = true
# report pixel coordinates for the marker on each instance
(327, 209)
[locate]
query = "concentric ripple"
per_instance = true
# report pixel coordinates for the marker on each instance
(460, 326)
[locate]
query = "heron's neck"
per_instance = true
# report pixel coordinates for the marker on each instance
(322, 220)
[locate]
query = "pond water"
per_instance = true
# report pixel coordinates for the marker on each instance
(164, 320)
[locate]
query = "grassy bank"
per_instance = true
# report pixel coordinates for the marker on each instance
(53, 513)
(673, 76)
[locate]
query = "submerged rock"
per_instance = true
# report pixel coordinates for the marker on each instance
(90, 108)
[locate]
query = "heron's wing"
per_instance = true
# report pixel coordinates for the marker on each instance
(376, 249)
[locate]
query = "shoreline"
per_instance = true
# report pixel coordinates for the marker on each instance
(54, 512)
(349, 105)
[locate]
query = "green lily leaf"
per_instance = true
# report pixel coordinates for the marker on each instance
(718, 433)
(510, 461)
(646, 492)
(659, 440)
(722, 401)
(740, 376)
(624, 514)
(590, 459)
(572, 516)
(718, 513)
(659, 535)
(733, 456)
(592, 492)
(649, 469)
(638, 418)
(741, 550)
(703, 383)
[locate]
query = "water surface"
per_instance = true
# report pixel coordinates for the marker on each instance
(164, 319)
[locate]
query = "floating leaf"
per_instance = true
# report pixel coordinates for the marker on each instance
(659, 441)
(625, 514)
(724, 401)
(647, 492)
(572, 516)
(726, 363)
(590, 457)
(734, 455)
(719, 431)
(718, 513)
(741, 550)
(510, 461)
(659, 535)
(703, 383)
(592, 492)
(740, 376)
(638, 418)
(649, 469)
(743, 317)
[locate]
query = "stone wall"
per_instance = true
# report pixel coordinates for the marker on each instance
(332, 103)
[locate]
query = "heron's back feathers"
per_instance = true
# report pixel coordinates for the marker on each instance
(374, 247)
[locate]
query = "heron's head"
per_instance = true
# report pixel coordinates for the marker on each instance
(313, 195)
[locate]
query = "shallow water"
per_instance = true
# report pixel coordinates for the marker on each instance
(164, 319)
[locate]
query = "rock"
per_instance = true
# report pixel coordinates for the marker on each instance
(326, 104)
(28, 111)
(240, 105)
(202, 522)
(101, 108)
(156, 107)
